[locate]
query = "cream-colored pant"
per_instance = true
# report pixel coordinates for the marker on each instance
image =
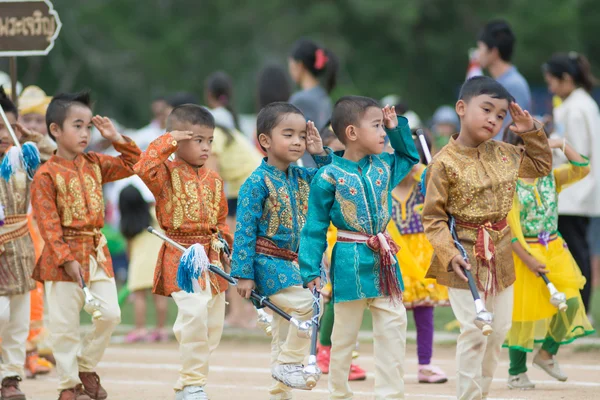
(286, 346)
(477, 355)
(65, 301)
(14, 329)
(389, 338)
(198, 330)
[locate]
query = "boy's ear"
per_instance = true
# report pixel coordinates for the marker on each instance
(54, 129)
(351, 134)
(460, 108)
(264, 140)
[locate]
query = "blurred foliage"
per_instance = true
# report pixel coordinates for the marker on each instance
(128, 51)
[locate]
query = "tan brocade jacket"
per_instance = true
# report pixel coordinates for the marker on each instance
(17, 256)
(477, 185)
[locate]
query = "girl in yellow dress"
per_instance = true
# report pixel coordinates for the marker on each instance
(539, 248)
(420, 295)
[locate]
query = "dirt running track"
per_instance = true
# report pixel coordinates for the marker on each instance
(240, 370)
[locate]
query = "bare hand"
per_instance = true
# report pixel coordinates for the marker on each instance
(26, 135)
(314, 144)
(73, 269)
(245, 287)
(314, 284)
(556, 143)
(390, 118)
(182, 135)
(522, 120)
(226, 263)
(457, 263)
(536, 267)
(107, 129)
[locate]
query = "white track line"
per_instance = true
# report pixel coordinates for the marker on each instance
(267, 371)
(267, 356)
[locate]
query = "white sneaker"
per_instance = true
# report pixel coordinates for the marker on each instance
(290, 375)
(520, 381)
(191, 393)
(551, 367)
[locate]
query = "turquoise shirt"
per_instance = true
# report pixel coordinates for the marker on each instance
(354, 196)
(272, 205)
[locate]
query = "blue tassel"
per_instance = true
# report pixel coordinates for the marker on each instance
(11, 162)
(31, 158)
(422, 187)
(192, 265)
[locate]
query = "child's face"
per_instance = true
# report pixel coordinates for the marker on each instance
(482, 117)
(370, 135)
(196, 150)
(74, 135)
(287, 141)
(5, 138)
(35, 122)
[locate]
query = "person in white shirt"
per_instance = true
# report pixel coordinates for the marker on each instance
(577, 120)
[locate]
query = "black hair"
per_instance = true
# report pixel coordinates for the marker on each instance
(270, 116)
(135, 212)
(181, 98)
(419, 146)
(480, 85)
(317, 60)
(273, 86)
(190, 113)
(574, 64)
(61, 103)
(220, 86)
(7, 105)
(347, 111)
(497, 34)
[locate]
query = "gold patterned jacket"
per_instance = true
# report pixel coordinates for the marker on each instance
(477, 186)
(68, 205)
(272, 205)
(191, 207)
(17, 256)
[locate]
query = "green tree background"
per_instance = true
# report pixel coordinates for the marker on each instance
(128, 51)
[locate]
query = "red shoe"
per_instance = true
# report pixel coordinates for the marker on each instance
(357, 373)
(323, 356)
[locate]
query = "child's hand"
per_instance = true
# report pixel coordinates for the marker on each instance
(457, 263)
(226, 263)
(314, 144)
(390, 119)
(522, 121)
(107, 129)
(245, 287)
(73, 269)
(26, 135)
(181, 135)
(314, 284)
(536, 267)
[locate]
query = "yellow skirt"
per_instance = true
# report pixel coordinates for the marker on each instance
(143, 253)
(414, 258)
(534, 317)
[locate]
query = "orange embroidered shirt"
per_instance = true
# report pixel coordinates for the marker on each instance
(191, 207)
(68, 205)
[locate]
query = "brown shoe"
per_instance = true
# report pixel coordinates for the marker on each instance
(10, 389)
(92, 386)
(75, 393)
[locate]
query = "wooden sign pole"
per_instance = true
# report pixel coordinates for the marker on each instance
(13, 80)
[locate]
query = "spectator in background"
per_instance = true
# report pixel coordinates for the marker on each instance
(33, 103)
(495, 44)
(273, 86)
(308, 62)
(577, 120)
(444, 124)
(155, 128)
(234, 158)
